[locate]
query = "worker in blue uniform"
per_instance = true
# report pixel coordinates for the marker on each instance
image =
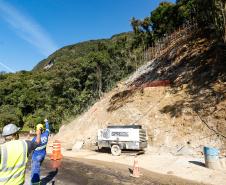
(39, 153)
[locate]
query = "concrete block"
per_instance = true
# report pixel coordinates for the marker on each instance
(223, 163)
(77, 146)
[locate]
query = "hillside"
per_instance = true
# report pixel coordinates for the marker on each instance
(188, 112)
(72, 79)
(72, 52)
(67, 82)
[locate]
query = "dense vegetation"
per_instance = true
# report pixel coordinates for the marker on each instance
(77, 75)
(209, 14)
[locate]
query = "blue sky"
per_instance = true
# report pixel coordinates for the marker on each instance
(30, 30)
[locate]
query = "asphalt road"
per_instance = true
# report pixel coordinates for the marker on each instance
(79, 172)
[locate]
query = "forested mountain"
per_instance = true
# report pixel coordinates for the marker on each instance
(74, 77)
(66, 82)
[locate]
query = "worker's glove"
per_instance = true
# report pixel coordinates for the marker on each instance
(46, 120)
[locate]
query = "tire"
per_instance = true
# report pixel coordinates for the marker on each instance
(115, 150)
(98, 149)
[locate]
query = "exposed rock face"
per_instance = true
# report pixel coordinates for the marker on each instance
(189, 113)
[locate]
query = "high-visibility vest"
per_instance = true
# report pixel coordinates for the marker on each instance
(13, 162)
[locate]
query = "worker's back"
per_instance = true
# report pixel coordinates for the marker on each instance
(13, 162)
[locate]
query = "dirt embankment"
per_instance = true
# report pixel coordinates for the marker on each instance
(182, 116)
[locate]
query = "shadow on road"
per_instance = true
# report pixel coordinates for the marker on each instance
(49, 178)
(130, 170)
(197, 163)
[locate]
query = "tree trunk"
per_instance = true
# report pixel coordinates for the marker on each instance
(99, 76)
(224, 20)
(220, 17)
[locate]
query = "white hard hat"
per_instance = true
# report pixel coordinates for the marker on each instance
(10, 129)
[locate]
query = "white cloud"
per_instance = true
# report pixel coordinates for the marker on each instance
(7, 67)
(27, 28)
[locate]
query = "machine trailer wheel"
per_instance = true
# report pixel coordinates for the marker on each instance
(115, 150)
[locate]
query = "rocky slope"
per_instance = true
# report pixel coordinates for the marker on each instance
(179, 97)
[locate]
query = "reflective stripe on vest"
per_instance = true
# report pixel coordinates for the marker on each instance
(36, 183)
(13, 162)
(4, 156)
(41, 147)
(4, 179)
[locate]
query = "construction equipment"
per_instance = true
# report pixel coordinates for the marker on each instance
(120, 137)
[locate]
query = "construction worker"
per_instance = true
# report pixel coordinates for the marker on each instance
(39, 153)
(14, 154)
